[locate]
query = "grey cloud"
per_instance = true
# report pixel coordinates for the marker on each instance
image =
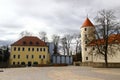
(60, 16)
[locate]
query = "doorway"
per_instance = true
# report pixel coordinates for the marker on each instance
(29, 63)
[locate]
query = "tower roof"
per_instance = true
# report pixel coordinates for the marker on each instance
(87, 23)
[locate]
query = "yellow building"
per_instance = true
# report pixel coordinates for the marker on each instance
(29, 50)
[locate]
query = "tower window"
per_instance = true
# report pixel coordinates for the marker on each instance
(85, 42)
(85, 29)
(85, 49)
(85, 36)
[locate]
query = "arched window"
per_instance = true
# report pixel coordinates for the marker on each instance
(13, 63)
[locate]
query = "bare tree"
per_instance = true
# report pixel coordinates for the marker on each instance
(43, 36)
(25, 33)
(76, 37)
(63, 43)
(67, 40)
(56, 39)
(107, 25)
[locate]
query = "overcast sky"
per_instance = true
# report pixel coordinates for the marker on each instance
(52, 16)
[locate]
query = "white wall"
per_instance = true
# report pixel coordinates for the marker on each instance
(89, 37)
(113, 57)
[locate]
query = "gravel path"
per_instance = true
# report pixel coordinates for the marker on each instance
(60, 73)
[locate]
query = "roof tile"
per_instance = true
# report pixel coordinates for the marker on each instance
(29, 41)
(87, 23)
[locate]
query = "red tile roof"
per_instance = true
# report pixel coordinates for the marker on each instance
(112, 39)
(87, 23)
(29, 41)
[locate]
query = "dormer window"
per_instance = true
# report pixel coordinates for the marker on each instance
(37, 43)
(31, 43)
(24, 42)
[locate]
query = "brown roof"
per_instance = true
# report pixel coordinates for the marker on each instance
(112, 39)
(29, 41)
(87, 23)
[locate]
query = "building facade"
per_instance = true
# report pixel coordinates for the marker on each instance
(29, 50)
(89, 45)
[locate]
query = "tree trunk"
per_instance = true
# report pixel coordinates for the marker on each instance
(106, 61)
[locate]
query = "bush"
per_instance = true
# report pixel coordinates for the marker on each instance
(35, 63)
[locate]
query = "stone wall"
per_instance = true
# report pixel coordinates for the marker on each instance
(93, 64)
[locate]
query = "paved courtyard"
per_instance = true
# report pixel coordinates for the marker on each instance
(60, 73)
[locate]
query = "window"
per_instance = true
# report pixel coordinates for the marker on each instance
(85, 42)
(14, 48)
(24, 42)
(13, 63)
(32, 56)
(40, 56)
(44, 49)
(23, 49)
(85, 29)
(37, 43)
(93, 48)
(32, 49)
(85, 36)
(85, 49)
(31, 43)
(18, 63)
(86, 58)
(37, 49)
(18, 56)
(27, 56)
(14, 56)
(40, 49)
(43, 56)
(28, 49)
(19, 49)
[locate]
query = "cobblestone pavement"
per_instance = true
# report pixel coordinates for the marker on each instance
(60, 73)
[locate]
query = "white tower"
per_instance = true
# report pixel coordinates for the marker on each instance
(87, 35)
